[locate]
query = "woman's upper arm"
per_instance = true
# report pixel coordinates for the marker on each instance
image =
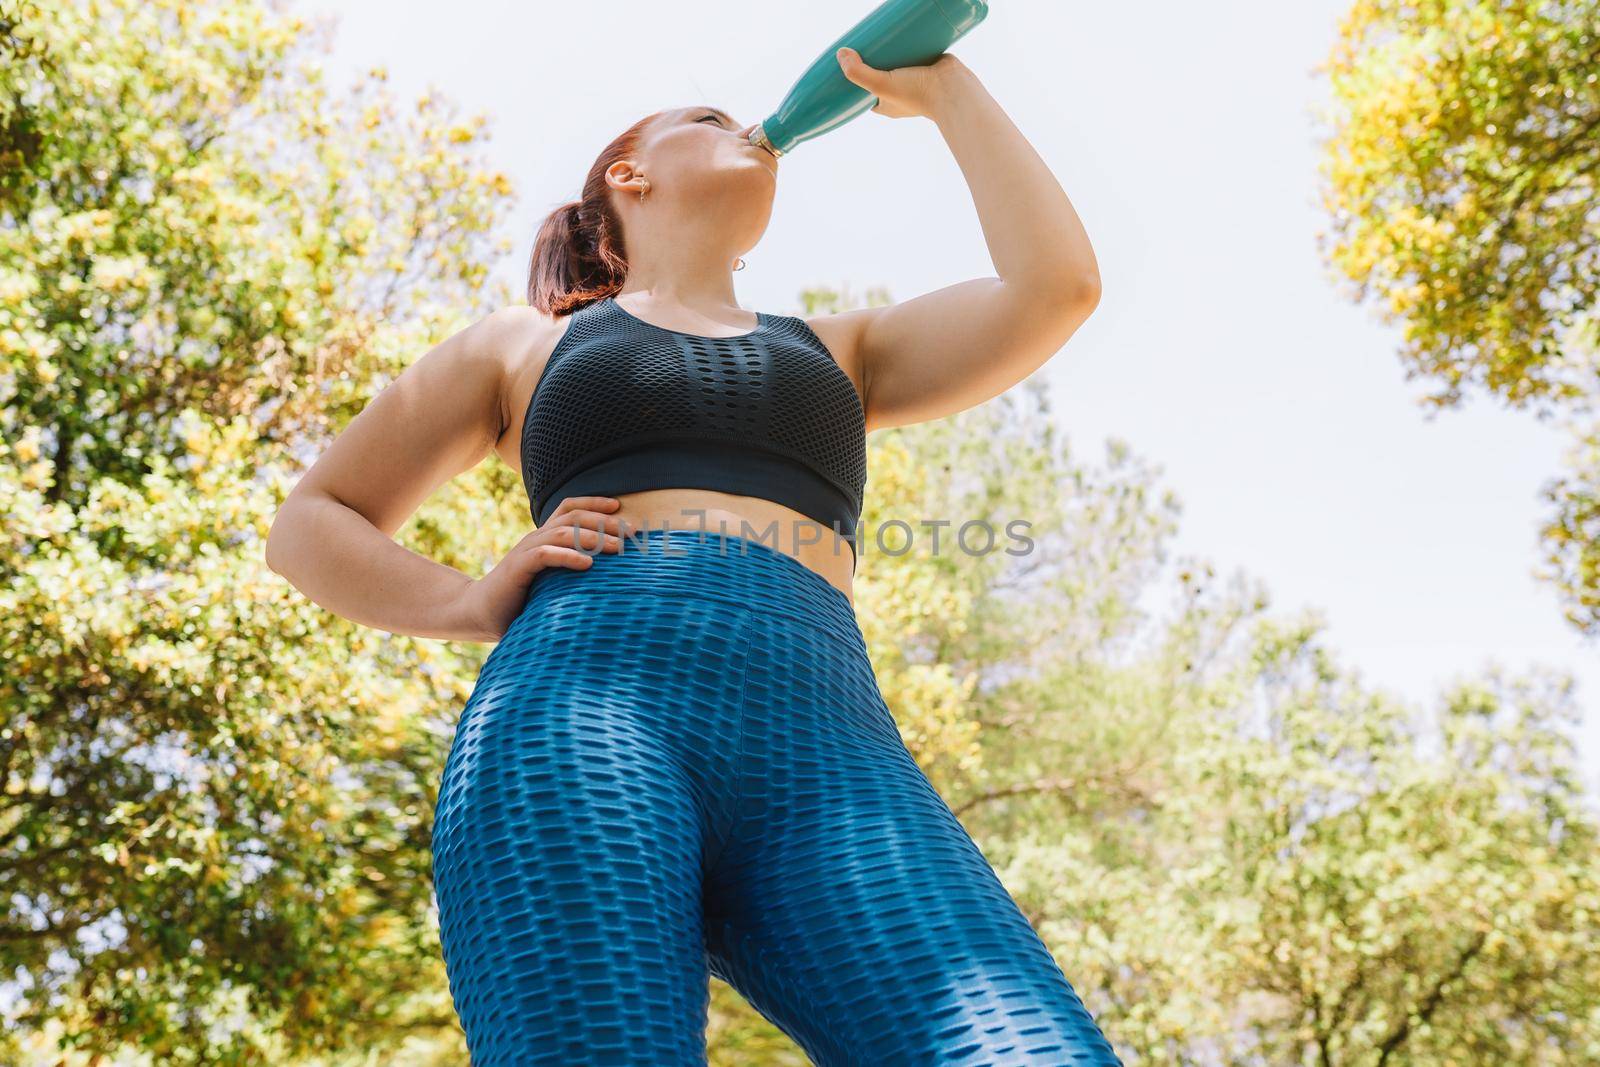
(439, 417)
(953, 348)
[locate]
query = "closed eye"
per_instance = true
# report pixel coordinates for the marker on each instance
(713, 118)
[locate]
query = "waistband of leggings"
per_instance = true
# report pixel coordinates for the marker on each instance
(706, 565)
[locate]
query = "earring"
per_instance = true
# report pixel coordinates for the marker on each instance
(643, 188)
(741, 264)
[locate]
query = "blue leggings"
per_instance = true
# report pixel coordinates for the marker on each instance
(679, 763)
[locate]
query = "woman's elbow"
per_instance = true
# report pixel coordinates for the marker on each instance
(1084, 292)
(1070, 302)
(274, 549)
(1072, 296)
(279, 549)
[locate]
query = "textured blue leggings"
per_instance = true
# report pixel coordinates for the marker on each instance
(679, 763)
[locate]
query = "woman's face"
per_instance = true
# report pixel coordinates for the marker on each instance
(700, 156)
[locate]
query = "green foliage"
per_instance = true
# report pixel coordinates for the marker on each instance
(1460, 181)
(1571, 535)
(216, 803)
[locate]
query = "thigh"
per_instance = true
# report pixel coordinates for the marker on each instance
(567, 852)
(858, 915)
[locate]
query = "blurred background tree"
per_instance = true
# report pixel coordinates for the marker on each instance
(1460, 182)
(216, 797)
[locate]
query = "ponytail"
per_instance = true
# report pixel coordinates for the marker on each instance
(579, 256)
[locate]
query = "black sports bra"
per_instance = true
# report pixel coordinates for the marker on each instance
(623, 405)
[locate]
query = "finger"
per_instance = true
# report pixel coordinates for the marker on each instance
(583, 503)
(589, 520)
(582, 517)
(855, 68)
(585, 537)
(531, 552)
(559, 556)
(607, 503)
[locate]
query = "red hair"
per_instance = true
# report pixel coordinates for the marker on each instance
(578, 256)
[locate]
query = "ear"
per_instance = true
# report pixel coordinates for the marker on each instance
(621, 176)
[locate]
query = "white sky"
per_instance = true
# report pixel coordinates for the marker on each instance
(1221, 351)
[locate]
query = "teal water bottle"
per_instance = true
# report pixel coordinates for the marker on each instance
(898, 33)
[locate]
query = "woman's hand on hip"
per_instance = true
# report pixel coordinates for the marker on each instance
(492, 603)
(904, 91)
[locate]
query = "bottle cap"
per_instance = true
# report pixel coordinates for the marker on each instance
(758, 137)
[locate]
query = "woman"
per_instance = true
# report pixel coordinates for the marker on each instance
(676, 760)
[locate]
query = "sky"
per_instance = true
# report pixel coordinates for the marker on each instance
(1223, 351)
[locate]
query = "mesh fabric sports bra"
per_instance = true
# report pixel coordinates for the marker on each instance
(623, 405)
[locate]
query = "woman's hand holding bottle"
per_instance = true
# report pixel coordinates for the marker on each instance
(903, 92)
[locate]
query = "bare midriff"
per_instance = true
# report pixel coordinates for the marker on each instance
(754, 518)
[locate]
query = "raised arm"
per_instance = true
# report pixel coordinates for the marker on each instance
(332, 538)
(951, 349)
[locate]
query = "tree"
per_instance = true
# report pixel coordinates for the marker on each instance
(216, 797)
(1460, 181)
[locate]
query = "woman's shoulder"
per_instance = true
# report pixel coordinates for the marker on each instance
(520, 336)
(520, 322)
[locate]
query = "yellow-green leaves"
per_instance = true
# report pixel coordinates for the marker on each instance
(216, 795)
(1460, 177)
